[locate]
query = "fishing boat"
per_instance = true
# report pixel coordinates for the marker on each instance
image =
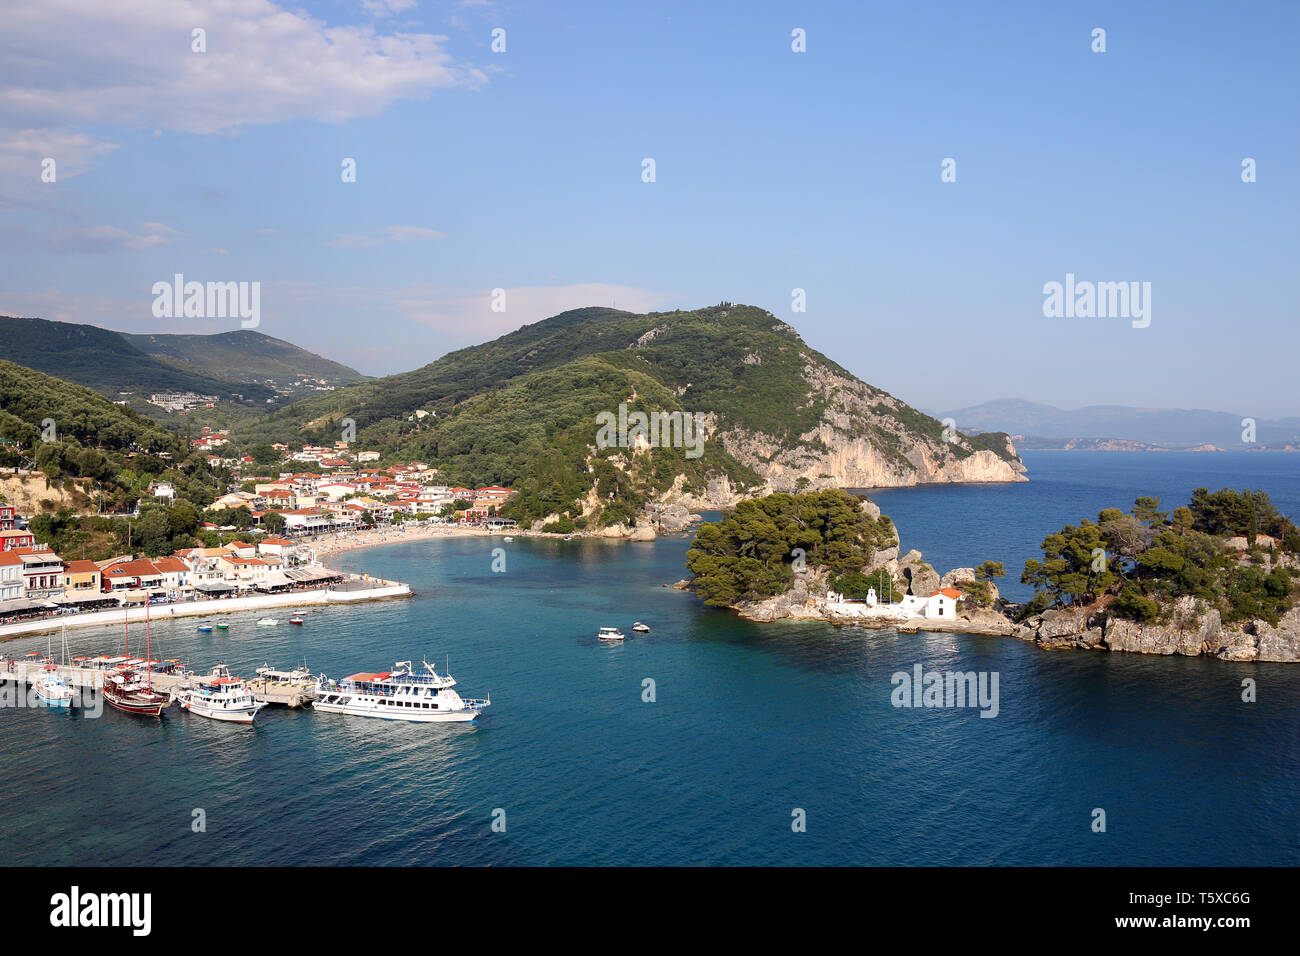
(642, 628)
(267, 622)
(295, 619)
(611, 634)
(399, 694)
(204, 627)
(219, 697)
(123, 689)
(51, 688)
(223, 627)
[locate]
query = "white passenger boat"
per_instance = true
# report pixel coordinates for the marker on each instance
(399, 694)
(220, 697)
(611, 634)
(52, 689)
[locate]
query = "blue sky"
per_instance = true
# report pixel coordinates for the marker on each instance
(775, 170)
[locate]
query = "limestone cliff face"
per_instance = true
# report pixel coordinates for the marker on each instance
(866, 438)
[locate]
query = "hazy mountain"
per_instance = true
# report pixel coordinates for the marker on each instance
(248, 356)
(230, 365)
(1165, 427)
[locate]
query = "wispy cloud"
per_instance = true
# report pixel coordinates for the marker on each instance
(110, 238)
(386, 8)
(389, 234)
(24, 151)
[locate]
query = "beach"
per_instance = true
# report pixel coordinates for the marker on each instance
(330, 544)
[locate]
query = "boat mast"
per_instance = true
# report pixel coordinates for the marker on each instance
(148, 656)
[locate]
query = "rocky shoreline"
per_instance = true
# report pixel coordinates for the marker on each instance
(1191, 630)
(1188, 627)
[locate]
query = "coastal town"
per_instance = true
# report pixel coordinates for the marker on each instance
(280, 528)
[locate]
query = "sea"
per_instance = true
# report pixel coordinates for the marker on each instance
(710, 741)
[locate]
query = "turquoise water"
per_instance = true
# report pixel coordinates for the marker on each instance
(750, 722)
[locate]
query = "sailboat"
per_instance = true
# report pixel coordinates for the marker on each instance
(122, 687)
(51, 688)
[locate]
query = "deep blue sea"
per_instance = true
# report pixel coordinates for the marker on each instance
(750, 723)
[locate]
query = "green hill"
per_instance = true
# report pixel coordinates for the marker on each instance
(247, 355)
(241, 365)
(521, 411)
(106, 361)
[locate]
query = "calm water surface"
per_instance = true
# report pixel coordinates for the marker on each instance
(750, 723)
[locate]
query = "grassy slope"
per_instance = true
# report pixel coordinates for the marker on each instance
(246, 354)
(105, 360)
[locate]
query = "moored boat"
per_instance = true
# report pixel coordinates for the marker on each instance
(123, 689)
(204, 627)
(267, 622)
(52, 689)
(610, 634)
(295, 619)
(294, 688)
(219, 696)
(641, 628)
(399, 694)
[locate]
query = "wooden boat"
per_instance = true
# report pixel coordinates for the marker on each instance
(122, 687)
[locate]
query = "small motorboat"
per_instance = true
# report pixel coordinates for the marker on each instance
(611, 634)
(267, 622)
(204, 627)
(507, 539)
(223, 627)
(642, 628)
(52, 689)
(295, 619)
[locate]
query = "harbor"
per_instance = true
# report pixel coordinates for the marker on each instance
(284, 688)
(354, 588)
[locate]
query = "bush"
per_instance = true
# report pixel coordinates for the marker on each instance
(1134, 605)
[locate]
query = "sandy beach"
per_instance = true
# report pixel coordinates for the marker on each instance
(332, 544)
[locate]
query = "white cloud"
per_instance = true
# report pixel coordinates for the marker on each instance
(386, 8)
(74, 61)
(22, 152)
(390, 234)
(110, 238)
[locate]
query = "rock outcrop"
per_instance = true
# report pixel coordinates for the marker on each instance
(670, 519)
(960, 577)
(1191, 629)
(916, 575)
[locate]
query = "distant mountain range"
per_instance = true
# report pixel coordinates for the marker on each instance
(242, 365)
(1117, 427)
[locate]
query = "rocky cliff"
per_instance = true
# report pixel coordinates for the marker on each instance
(1191, 630)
